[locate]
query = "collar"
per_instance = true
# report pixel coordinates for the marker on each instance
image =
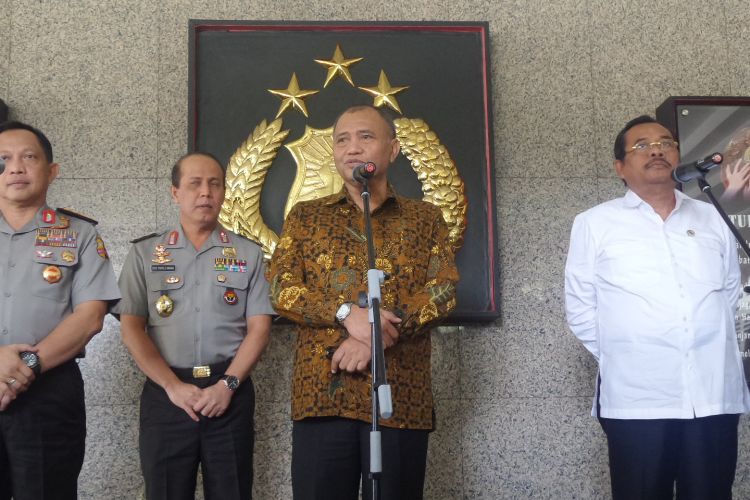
(44, 217)
(176, 238)
(632, 200)
(343, 196)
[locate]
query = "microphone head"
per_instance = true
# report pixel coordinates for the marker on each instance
(364, 171)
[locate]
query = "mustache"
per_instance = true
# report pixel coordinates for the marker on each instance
(662, 161)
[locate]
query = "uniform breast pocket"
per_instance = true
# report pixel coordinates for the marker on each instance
(706, 264)
(231, 289)
(53, 280)
(165, 293)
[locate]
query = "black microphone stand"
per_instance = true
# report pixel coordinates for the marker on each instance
(381, 391)
(706, 188)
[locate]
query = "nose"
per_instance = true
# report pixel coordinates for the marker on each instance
(656, 150)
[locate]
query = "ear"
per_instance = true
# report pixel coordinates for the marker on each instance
(395, 149)
(54, 169)
(173, 190)
(619, 166)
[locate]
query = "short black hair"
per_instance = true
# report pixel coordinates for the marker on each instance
(619, 148)
(177, 171)
(43, 141)
(384, 113)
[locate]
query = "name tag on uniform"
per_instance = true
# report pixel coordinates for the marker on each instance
(162, 267)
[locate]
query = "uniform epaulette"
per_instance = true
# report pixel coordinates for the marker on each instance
(151, 235)
(71, 213)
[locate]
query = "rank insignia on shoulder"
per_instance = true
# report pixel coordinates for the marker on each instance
(174, 236)
(223, 236)
(151, 235)
(101, 249)
(71, 213)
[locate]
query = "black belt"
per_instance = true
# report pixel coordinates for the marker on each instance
(203, 371)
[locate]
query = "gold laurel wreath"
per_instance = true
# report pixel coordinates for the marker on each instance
(441, 183)
(246, 173)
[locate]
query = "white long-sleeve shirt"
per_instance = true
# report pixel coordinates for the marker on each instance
(653, 300)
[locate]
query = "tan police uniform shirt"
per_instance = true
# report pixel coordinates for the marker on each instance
(213, 291)
(47, 268)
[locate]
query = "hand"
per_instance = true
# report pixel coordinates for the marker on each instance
(13, 371)
(351, 356)
(358, 326)
(7, 395)
(737, 179)
(214, 400)
(184, 396)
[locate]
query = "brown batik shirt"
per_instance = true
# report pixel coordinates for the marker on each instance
(321, 262)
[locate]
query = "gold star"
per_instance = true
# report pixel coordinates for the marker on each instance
(338, 66)
(384, 93)
(292, 96)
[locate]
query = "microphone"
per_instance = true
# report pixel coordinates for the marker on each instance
(2, 166)
(690, 171)
(363, 172)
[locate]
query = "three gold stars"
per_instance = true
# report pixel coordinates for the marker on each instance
(384, 93)
(292, 96)
(338, 65)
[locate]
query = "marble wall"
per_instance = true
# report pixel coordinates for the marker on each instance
(107, 80)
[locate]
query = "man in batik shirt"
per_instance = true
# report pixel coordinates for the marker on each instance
(318, 270)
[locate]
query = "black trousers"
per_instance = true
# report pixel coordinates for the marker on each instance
(648, 458)
(172, 445)
(331, 457)
(42, 438)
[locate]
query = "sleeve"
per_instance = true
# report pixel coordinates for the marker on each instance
(94, 278)
(580, 290)
(133, 286)
(437, 297)
(258, 294)
(732, 288)
(291, 295)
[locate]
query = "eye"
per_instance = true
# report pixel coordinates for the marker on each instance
(641, 146)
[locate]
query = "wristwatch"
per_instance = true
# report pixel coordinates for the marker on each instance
(344, 311)
(32, 361)
(232, 382)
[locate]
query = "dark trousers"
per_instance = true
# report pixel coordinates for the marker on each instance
(647, 458)
(42, 438)
(172, 445)
(331, 457)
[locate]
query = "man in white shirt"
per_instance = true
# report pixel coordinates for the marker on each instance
(651, 285)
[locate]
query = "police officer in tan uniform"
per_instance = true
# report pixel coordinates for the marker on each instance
(55, 284)
(196, 317)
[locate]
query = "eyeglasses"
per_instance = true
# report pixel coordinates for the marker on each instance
(663, 145)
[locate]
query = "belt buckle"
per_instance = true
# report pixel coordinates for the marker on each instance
(201, 371)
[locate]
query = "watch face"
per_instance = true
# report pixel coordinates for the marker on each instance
(232, 382)
(30, 359)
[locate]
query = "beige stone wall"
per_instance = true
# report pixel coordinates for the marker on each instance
(107, 80)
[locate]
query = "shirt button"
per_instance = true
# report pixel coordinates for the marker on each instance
(7, 294)
(198, 283)
(197, 309)
(12, 264)
(5, 331)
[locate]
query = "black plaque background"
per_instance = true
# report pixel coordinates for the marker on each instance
(704, 125)
(233, 63)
